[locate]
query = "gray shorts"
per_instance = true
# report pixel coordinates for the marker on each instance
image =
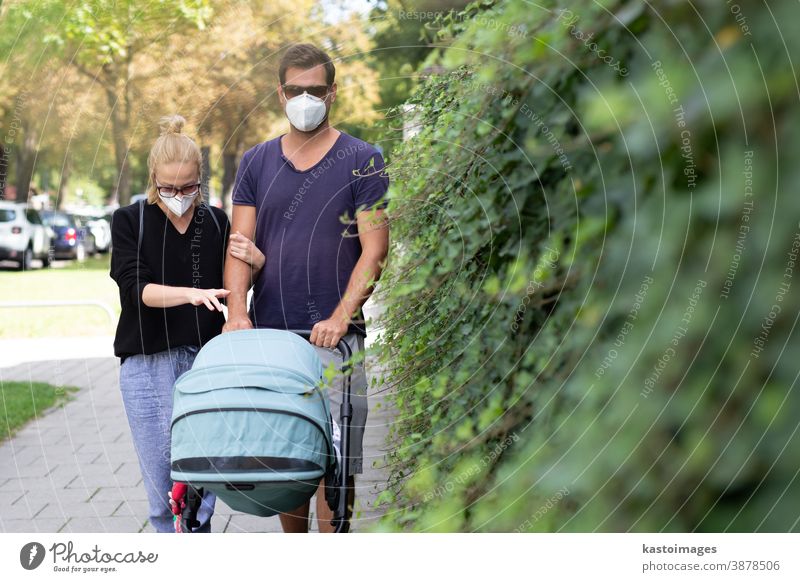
(358, 398)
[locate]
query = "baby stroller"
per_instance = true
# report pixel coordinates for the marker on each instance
(251, 424)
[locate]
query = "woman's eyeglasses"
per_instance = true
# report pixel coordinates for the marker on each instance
(319, 91)
(170, 191)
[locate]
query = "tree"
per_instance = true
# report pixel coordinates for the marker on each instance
(402, 40)
(101, 73)
(24, 64)
(106, 40)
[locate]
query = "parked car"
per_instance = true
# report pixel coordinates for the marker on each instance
(86, 233)
(100, 229)
(71, 240)
(23, 236)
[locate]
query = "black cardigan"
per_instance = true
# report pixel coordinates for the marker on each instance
(193, 259)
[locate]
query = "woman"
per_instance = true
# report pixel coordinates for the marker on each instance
(167, 260)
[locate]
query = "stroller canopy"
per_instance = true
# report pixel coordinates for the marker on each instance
(250, 422)
(281, 359)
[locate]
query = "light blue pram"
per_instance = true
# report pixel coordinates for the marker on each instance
(250, 423)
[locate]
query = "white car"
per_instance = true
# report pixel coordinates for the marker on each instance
(100, 229)
(23, 236)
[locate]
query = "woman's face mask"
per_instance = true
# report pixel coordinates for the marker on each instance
(305, 112)
(178, 206)
(177, 200)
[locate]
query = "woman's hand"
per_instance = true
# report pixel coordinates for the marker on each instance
(243, 249)
(207, 297)
(164, 296)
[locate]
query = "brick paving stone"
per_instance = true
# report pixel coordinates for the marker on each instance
(103, 525)
(31, 525)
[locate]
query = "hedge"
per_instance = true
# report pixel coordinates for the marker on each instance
(591, 305)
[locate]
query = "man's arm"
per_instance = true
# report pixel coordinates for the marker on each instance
(238, 276)
(373, 232)
(246, 250)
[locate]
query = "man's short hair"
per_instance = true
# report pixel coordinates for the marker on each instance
(306, 56)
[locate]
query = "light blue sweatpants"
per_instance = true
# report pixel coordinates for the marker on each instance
(146, 382)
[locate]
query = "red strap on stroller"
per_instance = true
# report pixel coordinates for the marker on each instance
(177, 504)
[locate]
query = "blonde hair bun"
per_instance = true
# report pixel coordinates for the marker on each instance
(171, 124)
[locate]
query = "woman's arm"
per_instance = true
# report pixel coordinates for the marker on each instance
(154, 295)
(134, 278)
(127, 269)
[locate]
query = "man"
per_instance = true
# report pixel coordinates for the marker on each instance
(312, 200)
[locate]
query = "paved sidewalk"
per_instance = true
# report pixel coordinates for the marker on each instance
(25, 350)
(75, 469)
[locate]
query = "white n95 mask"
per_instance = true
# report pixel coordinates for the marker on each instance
(305, 112)
(178, 207)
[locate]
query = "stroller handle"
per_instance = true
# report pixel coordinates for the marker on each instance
(341, 521)
(343, 347)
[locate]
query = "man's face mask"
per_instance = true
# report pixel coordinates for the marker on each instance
(305, 112)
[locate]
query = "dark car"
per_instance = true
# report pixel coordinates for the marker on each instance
(72, 241)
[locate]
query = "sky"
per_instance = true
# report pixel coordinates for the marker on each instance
(337, 9)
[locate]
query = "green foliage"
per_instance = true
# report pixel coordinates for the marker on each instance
(400, 45)
(107, 31)
(578, 322)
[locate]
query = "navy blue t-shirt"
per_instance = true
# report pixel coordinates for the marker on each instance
(305, 226)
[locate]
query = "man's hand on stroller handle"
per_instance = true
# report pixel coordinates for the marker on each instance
(236, 322)
(327, 333)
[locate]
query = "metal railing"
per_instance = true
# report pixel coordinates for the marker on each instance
(111, 315)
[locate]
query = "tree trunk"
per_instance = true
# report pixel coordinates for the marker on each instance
(62, 183)
(119, 130)
(5, 153)
(205, 172)
(26, 158)
(118, 94)
(229, 160)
